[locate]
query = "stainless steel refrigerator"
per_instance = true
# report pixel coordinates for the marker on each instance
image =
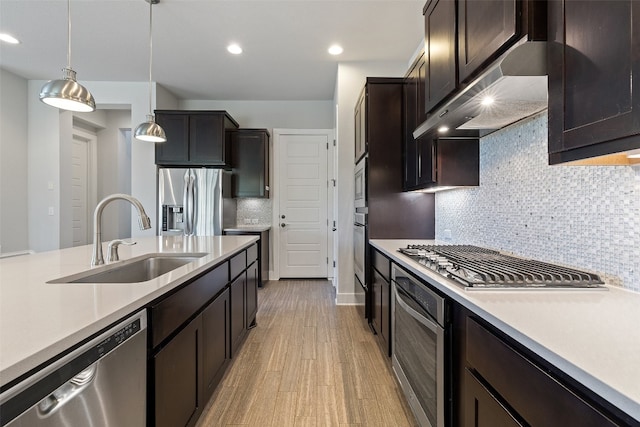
(195, 201)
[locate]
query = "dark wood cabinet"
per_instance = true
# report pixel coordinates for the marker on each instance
(178, 390)
(215, 342)
(250, 148)
(252, 295)
(499, 382)
(238, 317)
(414, 114)
(360, 120)
(482, 407)
(381, 299)
(440, 51)
(594, 98)
(485, 29)
(195, 138)
(392, 213)
(263, 251)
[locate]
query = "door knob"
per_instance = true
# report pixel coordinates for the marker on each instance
(282, 216)
(283, 225)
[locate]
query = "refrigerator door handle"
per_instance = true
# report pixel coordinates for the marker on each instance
(188, 202)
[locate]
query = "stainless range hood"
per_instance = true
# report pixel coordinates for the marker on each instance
(516, 83)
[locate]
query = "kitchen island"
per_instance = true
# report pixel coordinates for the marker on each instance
(40, 320)
(589, 336)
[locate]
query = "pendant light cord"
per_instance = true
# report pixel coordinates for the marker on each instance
(150, 48)
(68, 33)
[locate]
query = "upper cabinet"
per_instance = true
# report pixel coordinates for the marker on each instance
(250, 149)
(594, 69)
(440, 51)
(360, 127)
(195, 138)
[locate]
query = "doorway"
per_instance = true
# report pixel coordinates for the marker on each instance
(301, 215)
(83, 189)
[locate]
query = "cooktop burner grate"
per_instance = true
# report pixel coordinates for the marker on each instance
(478, 267)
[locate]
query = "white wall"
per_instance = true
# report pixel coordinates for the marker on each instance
(350, 81)
(44, 145)
(13, 163)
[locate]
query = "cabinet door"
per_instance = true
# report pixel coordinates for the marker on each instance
(238, 318)
(176, 149)
(482, 409)
(376, 288)
(177, 370)
(207, 143)
(594, 98)
(360, 119)
(252, 294)
(426, 147)
(440, 54)
(485, 29)
(410, 89)
(250, 150)
(215, 341)
(385, 314)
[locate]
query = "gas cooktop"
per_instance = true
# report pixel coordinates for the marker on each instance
(480, 268)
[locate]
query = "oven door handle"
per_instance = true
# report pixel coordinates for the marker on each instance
(433, 326)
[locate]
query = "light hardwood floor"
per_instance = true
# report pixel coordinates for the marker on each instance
(307, 363)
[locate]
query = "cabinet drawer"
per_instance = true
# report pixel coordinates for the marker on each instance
(252, 253)
(536, 396)
(382, 264)
(238, 264)
(170, 313)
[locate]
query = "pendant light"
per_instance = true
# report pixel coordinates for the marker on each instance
(67, 93)
(150, 131)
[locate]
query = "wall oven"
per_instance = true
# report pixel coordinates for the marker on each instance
(360, 184)
(419, 347)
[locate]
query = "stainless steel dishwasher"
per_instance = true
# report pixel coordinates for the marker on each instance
(100, 383)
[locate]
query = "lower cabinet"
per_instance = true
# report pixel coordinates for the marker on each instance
(215, 337)
(501, 384)
(177, 370)
(238, 318)
(252, 295)
(381, 299)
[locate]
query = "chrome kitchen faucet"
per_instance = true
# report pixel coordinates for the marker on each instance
(143, 221)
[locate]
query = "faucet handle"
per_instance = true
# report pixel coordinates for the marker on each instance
(112, 249)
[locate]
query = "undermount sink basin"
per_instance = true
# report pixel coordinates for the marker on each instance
(134, 270)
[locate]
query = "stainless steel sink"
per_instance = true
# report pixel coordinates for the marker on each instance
(134, 270)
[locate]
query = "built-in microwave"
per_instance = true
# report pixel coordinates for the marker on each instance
(360, 188)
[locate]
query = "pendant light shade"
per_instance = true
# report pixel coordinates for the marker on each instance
(150, 131)
(67, 93)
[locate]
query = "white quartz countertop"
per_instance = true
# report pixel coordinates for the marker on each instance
(593, 336)
(255, 228)
(39, 320)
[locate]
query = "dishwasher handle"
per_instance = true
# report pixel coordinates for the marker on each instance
(67, 391)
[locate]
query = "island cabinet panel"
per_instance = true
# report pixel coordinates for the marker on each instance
(178, 388)
(252, 295)
(238, 316)
(216, 344)
(485, 28)
(440, 51)
(503, 384)
(262, 249)
(594, 98)
(195, 138)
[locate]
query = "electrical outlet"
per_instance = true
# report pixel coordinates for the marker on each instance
(50, 211)
(446, 234)
(254, 221)
(247, 221)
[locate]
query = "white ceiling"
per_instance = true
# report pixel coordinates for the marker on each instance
(285, 42)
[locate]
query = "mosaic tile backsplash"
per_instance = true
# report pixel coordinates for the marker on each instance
(580, 216)
(253, 211)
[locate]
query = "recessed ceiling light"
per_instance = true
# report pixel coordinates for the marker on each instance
(443, 129)
(335, 49)
(487, 100)
(8, 38)
(234, 48)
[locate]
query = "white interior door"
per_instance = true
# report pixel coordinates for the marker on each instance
(302, 216)
(82, 185)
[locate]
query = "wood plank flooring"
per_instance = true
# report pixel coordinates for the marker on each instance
(307, 363)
